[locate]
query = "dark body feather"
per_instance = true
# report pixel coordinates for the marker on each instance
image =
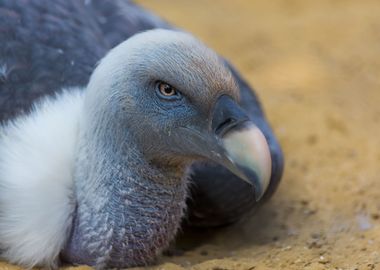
(47, 45)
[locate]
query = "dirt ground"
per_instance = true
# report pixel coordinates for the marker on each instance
(316, 68)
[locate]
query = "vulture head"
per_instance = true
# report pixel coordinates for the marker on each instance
(175, 100)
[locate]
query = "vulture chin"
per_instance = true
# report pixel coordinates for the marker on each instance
(105, 126)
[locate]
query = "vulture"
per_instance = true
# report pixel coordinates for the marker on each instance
(117, 128)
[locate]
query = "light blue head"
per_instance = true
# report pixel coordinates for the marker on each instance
(174, 98)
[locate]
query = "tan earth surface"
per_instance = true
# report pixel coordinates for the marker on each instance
(316, 68)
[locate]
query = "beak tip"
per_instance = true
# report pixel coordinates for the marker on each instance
(258, 194)
(252, 178)
(250, 152)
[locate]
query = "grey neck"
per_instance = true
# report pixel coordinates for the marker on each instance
(127, 209)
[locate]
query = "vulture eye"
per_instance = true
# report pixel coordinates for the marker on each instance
(167, 91)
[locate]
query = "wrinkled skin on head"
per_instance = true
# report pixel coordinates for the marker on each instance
(131, 72)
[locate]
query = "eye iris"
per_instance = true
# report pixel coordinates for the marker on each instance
(167, 90)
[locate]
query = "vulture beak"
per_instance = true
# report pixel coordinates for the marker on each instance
(233, 141)
(240, 146)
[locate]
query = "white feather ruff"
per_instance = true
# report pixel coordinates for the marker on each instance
(36, 184)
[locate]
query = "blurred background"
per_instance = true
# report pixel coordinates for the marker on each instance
(316, 68)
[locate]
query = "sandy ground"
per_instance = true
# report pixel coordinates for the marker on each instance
(316, 67)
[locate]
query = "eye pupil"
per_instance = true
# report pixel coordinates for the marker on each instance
(167, 90)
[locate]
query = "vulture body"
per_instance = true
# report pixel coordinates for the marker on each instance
(48, 52)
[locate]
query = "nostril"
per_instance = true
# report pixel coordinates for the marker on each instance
(225, 126)
(226, 115)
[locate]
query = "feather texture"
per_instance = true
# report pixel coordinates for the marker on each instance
(36, 183)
